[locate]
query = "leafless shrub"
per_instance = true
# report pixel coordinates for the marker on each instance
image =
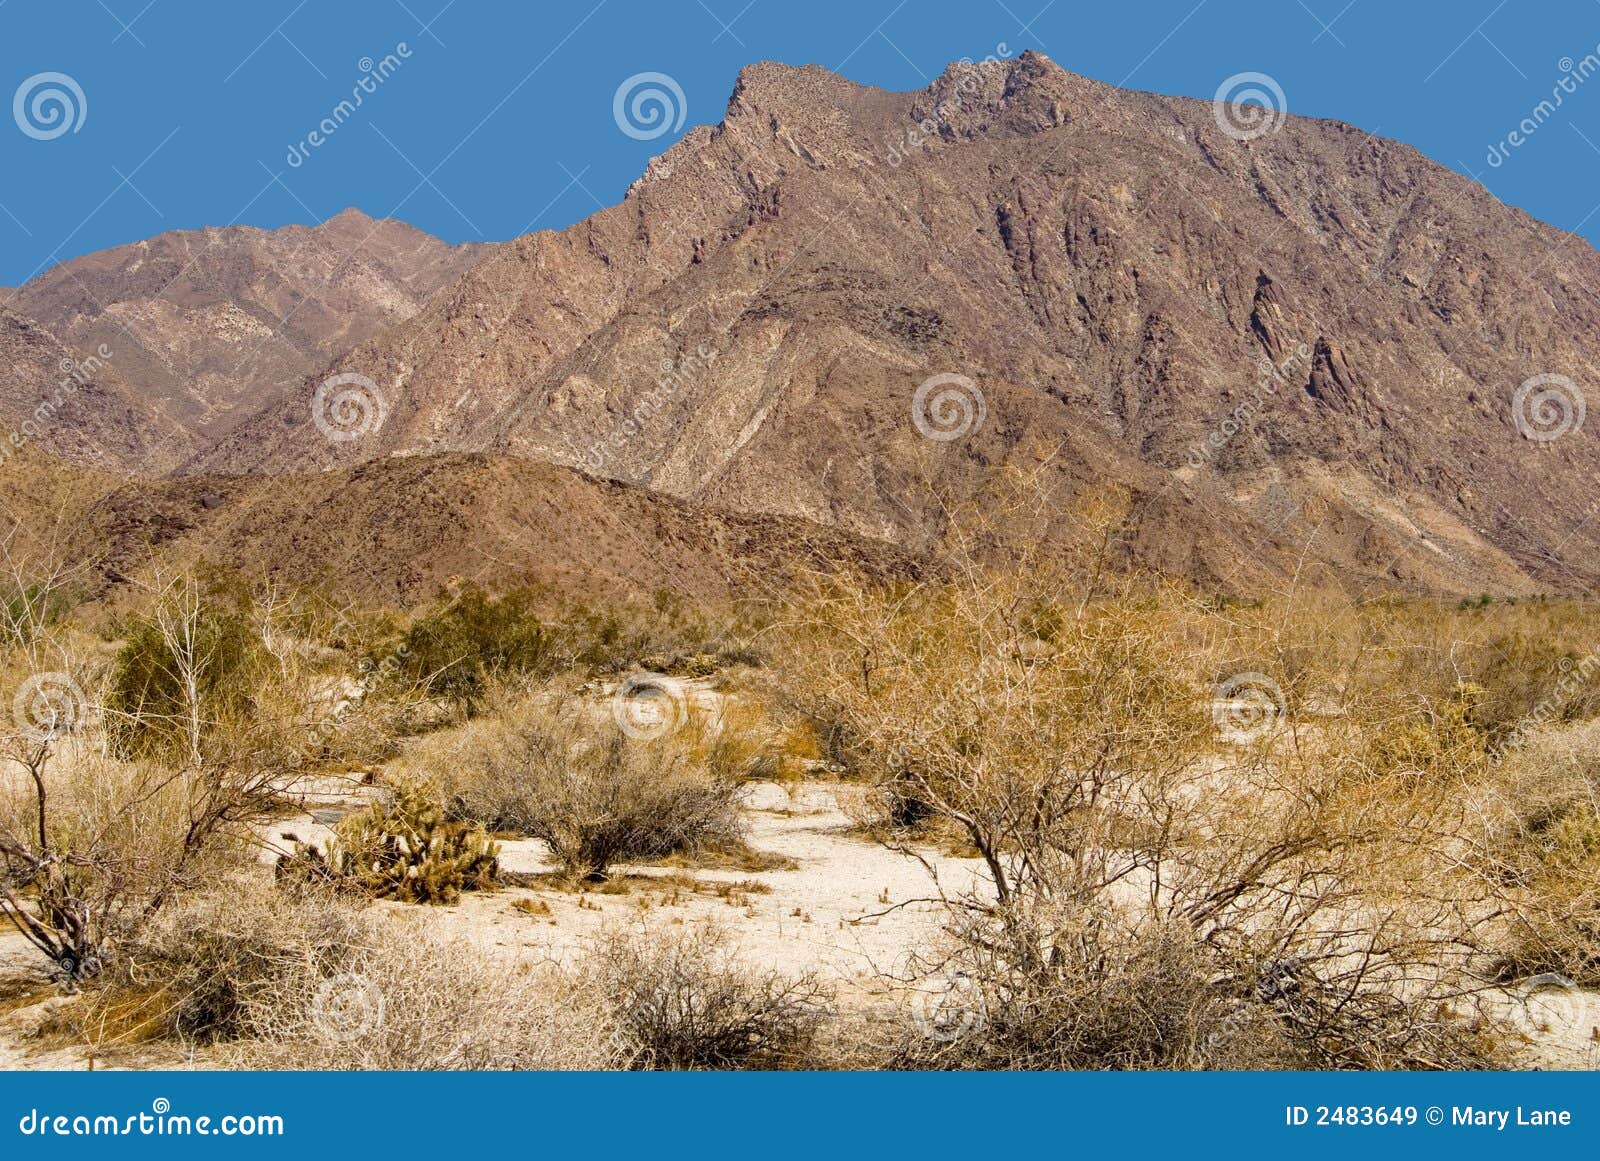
(551, 767)
(1294, 870)
(271, 979)
(683, 1001)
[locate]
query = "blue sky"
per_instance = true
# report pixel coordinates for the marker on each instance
(498, 118)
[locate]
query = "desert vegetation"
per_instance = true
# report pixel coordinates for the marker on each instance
(1152, 828)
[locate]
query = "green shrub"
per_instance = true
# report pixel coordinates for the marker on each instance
(454, 650)
(173, 660)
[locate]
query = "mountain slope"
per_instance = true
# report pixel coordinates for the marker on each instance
(76, 406)
(750, 325)
(398, 531)
(208, 325)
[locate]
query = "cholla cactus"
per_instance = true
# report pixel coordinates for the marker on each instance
(401, 847)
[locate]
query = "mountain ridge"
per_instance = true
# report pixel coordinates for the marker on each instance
(1297, 353)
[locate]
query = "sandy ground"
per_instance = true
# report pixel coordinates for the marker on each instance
(848, 909)
(840, 905)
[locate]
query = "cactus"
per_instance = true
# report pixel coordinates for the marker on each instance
(401, 847)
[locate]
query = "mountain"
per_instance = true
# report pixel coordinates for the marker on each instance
(74, 404)
(399, 531)
(207, 326)
(1292, 355)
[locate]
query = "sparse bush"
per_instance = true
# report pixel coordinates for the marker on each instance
(1543, 838)
(1137, 1000)
(1145, 864)
(683, 1001)
(205, 971)
(401, 847)
(272, 980)
(185, 664)
(104, 845)
(552, 768)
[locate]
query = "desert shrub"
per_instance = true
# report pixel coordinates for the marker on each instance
(1439, 738)
(667, 635)
(552, 768)
(1108, 994)
(1542, 837)
(274, 980)
(1534, 673)
(205, 970)
(97, 846)
(1149, 842)
(1148, 1000)
(455, 650)
(684, 1001)
(186, 662)
(401, 847)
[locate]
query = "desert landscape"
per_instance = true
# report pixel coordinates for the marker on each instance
(1018, 574)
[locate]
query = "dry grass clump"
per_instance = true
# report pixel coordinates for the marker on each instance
(274, 979)
(205, 971)
(1542, 837)
(557, 769)
(684, 1001)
